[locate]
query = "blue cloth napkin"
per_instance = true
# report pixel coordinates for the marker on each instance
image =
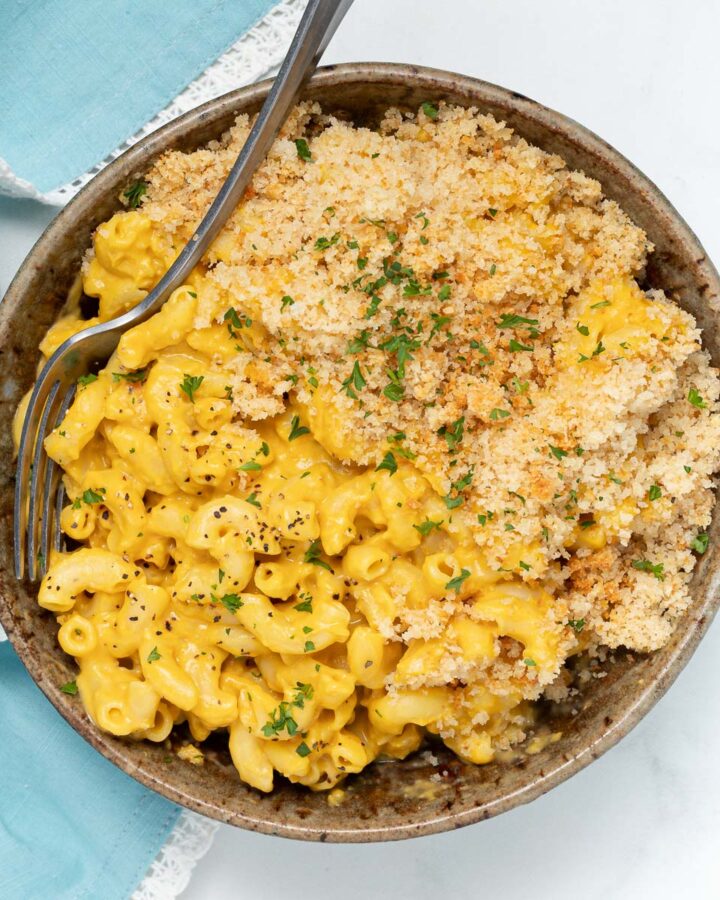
(78, 77)
(72, 825)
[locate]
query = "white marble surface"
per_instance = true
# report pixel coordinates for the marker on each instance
(644, 821)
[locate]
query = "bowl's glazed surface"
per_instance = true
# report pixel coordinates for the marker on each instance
(390, 800)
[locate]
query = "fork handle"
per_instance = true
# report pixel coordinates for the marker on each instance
(317, 26)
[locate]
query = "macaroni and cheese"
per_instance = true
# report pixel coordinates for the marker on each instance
(410, 438)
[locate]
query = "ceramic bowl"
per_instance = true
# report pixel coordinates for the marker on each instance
(390, 800)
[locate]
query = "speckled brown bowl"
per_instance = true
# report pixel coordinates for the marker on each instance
(382, 803)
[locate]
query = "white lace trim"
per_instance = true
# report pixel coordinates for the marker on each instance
(256, 53)
(170, 872)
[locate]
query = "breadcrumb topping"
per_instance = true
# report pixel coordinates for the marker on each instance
(459, 297)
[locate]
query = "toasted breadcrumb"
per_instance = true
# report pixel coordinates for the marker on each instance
(410, 250)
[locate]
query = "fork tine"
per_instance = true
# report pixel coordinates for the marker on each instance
(26, 447)
(37, 478)
(50, 516)
(59, 503)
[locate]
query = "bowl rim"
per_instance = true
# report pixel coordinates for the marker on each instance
(704, 607)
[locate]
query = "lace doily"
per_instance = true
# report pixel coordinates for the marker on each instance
(255, 54)
(169, 874)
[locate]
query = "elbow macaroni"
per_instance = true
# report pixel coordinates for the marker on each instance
(236, 576)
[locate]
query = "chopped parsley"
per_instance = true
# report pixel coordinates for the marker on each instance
(696, 399)
(654, 493)
(140, 375)
(453, 434)
(231, 602)
(577, 625)
(153, 655)
(515, 346)
(250, 466)
(430, 110)
(388, 462)
(323, 243)
(583, 329)
(312, 555)
(512, 320)
(309, 647)
(305, 605)
(280, 720)
(427, 526)
(458, 486)
(135, 193)
(557, 452)
(438, 323)
(285, 302)
(529, 662)
(644, 565)
(235, 322)
(89, 496)
(303, 750)
(394, 390)
(496, 414)
(354, 382)
(700, 542)
(296, 429)
(359, 343)
(84, 380)
(303, 151)
(373, 307)
(253, 500)
(70, 687)
(190, 384)
(457, 582)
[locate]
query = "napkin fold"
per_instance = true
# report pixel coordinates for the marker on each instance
(81, 76)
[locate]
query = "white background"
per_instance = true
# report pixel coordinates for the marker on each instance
(644, 821)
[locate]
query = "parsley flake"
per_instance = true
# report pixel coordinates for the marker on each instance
(135, 193)
(296, 429)
(644, 565)
(303, 151)
(457, 582)
(312, 555)
(388, 462)
(190, 384)
(453, 434)
(427, 526)
(696, 399)
(354, 382)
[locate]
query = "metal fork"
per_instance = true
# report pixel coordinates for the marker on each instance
(38, 494)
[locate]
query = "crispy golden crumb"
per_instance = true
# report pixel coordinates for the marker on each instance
(399, 253)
